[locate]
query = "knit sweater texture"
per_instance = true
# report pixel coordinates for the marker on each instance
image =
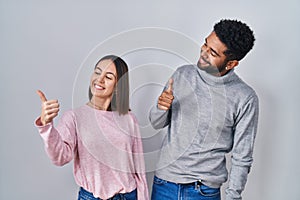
(106, 148)
(210, 116)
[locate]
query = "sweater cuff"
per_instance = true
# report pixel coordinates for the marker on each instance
(42, 128)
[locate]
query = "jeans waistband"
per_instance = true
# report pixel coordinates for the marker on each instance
(84, 192)
(198, 183)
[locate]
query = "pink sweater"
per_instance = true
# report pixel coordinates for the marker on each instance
(106, 148)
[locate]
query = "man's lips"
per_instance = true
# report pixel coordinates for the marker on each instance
(203, 61)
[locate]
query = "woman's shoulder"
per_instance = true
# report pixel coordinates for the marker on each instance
(128, 118)
(132, 116)
(80, 110)
(75, 112)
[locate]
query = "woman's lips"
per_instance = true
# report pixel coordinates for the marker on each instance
(98, 87)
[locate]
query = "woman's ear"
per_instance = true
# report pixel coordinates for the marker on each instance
(232, 64)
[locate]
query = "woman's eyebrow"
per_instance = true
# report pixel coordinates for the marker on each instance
(98, 68)
(111, 74)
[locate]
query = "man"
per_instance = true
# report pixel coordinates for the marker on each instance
(208, 111)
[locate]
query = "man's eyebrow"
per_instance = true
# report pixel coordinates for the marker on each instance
(212, 49)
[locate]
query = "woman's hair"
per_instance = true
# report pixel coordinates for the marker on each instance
(237, 36)
(120, 98)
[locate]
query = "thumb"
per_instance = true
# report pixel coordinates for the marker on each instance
(42, 96)
(170, 87)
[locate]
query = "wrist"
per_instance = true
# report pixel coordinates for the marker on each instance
(40, 122)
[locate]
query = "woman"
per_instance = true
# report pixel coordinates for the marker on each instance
(101, 136)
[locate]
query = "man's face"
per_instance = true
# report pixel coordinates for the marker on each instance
(212, 58)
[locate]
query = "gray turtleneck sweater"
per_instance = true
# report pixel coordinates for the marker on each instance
(210, 116)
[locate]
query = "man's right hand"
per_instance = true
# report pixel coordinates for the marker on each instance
(50, 108)
(166, 98)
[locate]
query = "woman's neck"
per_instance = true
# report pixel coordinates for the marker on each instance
(99, 104)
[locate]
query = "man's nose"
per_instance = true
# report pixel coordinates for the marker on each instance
(204, 52)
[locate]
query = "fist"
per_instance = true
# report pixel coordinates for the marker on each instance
(50, 108)
(166, 98)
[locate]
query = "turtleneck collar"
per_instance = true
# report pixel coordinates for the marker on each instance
(217, 80)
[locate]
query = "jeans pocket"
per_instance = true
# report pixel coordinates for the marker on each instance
(208, 191)
(159, 181)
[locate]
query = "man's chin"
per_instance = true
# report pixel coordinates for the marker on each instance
(202, 67)
(209, 69)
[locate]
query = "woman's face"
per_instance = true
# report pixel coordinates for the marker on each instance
(103, 79)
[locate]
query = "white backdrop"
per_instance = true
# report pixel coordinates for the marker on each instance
(47, 45)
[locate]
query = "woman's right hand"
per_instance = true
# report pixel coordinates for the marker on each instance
(50, 109)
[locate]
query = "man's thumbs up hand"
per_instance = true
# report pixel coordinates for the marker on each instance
(166, 98)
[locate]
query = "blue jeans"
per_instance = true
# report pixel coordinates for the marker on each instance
(165, 190)
(85, 195)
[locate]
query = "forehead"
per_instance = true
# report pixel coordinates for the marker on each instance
(107, 65)
(215, 43)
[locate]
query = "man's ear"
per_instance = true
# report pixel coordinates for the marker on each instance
(232, 64)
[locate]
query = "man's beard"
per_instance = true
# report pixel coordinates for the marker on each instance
(212, 69)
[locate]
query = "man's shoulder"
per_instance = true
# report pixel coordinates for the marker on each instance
(186, 69)
(245, 90)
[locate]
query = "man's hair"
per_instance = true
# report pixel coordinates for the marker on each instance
(237, 37)
(120, 98)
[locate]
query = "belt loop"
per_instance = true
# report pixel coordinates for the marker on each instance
(198, 184)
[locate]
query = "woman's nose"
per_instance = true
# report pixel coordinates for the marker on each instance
(101, 78)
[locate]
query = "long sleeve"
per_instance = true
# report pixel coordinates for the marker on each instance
(160, 118)
(59, 142)
(244, 136)
(139, 163)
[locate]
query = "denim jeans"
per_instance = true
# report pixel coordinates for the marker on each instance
(85, 195)
(165, 190)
